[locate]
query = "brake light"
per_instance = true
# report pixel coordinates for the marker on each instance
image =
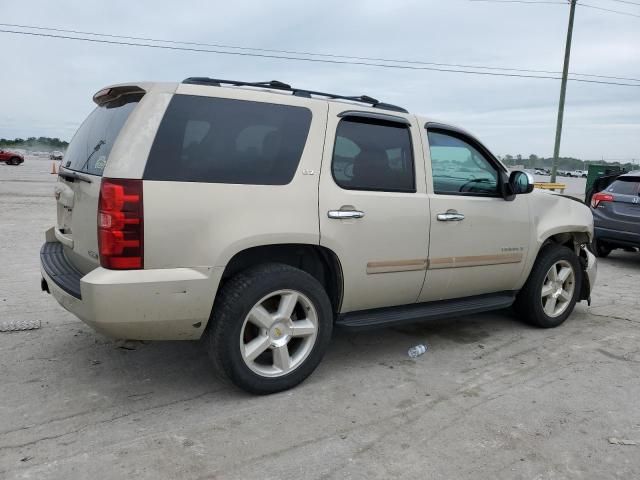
(598, 198)
(120, 224)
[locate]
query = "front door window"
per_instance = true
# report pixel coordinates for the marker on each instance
(459, 168)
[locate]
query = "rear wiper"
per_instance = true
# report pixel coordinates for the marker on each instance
(73, 175)
(95, 149)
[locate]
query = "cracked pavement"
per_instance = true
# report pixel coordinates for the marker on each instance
(491, 398)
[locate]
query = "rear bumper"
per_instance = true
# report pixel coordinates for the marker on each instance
(162, 304)
(617, 237)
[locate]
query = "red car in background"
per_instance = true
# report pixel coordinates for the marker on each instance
(11, 158)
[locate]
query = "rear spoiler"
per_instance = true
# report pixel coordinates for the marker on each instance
(109, 94)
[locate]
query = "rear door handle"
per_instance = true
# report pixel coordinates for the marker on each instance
(450, 216)
(345, 214)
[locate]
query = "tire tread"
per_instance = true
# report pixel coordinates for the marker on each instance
(231, 299)
(528, 305)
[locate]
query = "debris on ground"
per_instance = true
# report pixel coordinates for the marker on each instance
(621, 441)
(19, 325)
(130, 344)
(417, 350)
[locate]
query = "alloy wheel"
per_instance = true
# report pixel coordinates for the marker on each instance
(279, 333)
(558, 288)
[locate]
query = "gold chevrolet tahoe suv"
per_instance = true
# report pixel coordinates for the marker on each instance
(261, 216)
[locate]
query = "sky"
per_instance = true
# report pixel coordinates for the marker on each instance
(46, 84)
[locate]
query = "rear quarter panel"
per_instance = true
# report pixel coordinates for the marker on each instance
(129, 154)
(191, 224)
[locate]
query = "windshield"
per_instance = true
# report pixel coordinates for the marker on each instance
(90, 147)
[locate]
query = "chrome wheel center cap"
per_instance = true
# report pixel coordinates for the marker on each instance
(279, 333)
(558, 291)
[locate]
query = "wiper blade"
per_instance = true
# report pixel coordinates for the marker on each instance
(95, 149)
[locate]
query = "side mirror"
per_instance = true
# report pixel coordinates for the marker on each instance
(521, 182)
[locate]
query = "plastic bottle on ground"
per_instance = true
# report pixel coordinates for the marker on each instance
(417, 350)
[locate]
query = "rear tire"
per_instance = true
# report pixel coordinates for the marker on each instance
(600, 248)
(270, 327)
(552, 289)
(14, 161)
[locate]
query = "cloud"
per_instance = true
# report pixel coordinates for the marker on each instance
(47, 84)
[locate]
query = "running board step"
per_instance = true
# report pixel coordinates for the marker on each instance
(391, 316)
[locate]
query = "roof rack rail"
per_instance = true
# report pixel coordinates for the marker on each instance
(299, 92)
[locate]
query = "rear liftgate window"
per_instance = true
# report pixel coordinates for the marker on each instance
(625, 186)
(219, 140)
(92, 143)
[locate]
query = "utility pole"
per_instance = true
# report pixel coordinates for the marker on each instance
(563, 91)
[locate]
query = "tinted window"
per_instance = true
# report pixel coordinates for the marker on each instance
(219, 140)
(373, 155)
(90, 147)
(624, 187)
(458, 167)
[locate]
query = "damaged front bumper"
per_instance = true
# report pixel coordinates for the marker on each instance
(590, 269)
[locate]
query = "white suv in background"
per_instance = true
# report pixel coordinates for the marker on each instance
(261, 216)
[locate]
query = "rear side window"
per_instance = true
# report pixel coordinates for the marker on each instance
(219, 140)
(625, 187)
(90, 147)
(373, 155)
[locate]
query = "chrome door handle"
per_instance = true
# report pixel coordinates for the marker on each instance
(345, 214)
(450, 216)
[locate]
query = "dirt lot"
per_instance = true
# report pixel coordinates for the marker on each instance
(492, 398)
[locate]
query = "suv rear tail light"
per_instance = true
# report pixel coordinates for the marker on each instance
(120, 224)
(598, 198)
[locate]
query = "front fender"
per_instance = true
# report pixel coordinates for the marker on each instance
(553, 215)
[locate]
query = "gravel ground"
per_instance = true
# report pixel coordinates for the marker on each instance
(491, 398)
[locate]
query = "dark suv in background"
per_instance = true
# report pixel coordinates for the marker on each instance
(616, 215)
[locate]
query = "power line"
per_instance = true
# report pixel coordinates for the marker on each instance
(521, 1)
(327, 55)
(541, 2)
(374, 59)
(314, 60)
(608, 10)
(627, 1)
(602, 76)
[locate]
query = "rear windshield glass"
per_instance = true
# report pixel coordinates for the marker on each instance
(219, 140)
(626, 186)
(90, 147)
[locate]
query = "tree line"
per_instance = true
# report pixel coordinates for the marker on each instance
(34, 142)
(533, 161)
(564, 163)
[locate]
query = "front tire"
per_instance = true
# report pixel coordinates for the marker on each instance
(270, 327)
(552, 289)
